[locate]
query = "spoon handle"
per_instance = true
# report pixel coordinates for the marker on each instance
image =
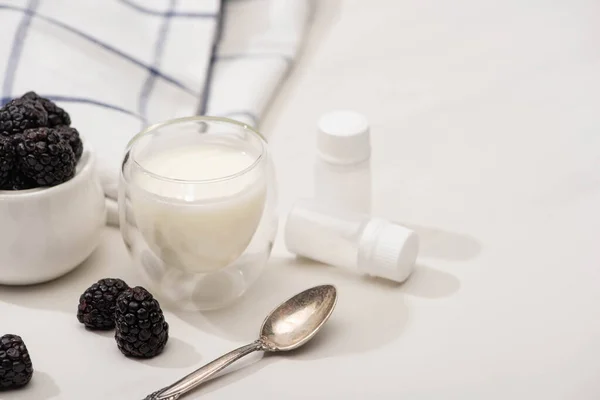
(202, 374)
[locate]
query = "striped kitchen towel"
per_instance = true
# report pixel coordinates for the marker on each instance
(119, 65)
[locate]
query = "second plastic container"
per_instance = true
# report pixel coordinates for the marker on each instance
(372, 246)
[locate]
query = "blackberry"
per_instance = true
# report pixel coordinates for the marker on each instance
(21, 114)
(98, 303)
(56, 115)
(44, 157)
(7, 160)
(71, 136)
(141, 327)
(18, 181)
(16, 368)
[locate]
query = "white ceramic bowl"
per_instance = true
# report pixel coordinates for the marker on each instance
(45, 233)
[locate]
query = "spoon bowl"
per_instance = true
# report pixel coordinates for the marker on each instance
(287, 327)
(297, 320)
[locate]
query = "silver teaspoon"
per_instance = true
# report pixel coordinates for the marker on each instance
(289, 326)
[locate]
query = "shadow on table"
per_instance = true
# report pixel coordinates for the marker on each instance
(445, 245)
(370, 312)
(240, 370)
(177, 354)
(41, 387)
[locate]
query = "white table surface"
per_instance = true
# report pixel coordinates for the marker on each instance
(485, 123)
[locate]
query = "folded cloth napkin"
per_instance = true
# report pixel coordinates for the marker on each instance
(119, 65)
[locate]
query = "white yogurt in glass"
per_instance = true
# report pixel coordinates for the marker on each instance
(198, 206)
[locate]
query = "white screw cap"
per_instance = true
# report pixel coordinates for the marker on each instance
(343, 137)
(387, 250)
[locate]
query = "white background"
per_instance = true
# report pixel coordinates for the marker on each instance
(485, 123)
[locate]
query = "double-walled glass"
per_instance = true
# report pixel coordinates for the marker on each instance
(197, 209)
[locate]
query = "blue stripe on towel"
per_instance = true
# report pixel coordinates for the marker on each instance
(17, 46)
(99, 43)
(158, 52)
(169, 13)
(83, 100)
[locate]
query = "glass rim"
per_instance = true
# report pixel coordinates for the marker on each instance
(198, 118)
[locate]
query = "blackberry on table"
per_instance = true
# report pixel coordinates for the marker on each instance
(98, 303)
(21, 114)
(43, 156)
(56, 115)
(71, 136)
(7, 160)
(16, 368)
(141, 327)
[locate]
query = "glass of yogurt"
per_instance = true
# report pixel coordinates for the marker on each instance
(197, 209)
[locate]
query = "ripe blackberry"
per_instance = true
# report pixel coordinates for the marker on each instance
(21, 114)
(7, 160)
(98, 303)
(43, 156)
(16, 368)
(71, 136)
(141, 327)
(17, 181)
(56, 115)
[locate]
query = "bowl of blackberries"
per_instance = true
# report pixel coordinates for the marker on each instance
(52, 208)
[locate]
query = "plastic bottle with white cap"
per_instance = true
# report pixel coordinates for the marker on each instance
(372, 246)
(343, 168)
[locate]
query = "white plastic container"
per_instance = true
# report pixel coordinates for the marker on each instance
(372, 246)
(342, 166)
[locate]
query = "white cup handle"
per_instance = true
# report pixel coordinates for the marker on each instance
(112, 212)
